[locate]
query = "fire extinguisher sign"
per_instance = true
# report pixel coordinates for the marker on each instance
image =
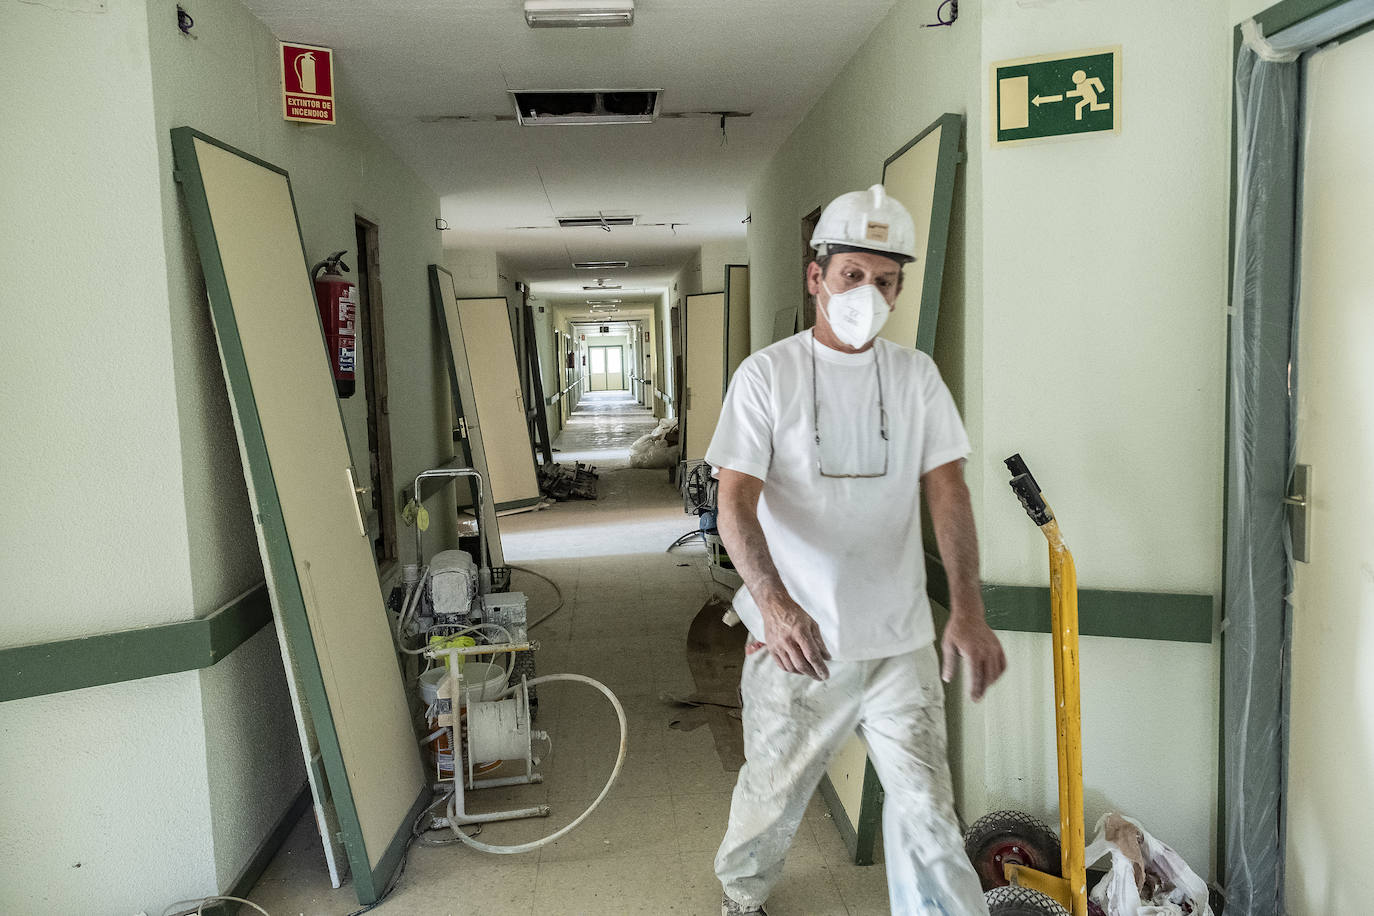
(307, 83)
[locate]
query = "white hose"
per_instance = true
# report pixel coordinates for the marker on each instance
(615, 774)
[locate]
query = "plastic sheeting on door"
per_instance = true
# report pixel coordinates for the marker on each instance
(1258, 558)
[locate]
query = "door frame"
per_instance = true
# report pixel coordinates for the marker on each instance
(375, 389)
(1278, 208)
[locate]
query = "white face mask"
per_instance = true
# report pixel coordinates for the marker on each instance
(856, 315)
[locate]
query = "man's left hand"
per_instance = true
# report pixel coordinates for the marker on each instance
(969, 636)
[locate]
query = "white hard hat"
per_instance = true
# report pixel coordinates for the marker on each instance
(866, 221)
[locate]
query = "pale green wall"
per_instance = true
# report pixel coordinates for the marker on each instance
(686, 281)
(105, 804)
(226, 83)
(901, 80)
(1081, 324)
(1104, 365)
(714, 257)
(129, 505)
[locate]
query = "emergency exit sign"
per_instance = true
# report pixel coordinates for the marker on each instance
(1056, 96)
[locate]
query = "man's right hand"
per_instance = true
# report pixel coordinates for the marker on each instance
(794, 640)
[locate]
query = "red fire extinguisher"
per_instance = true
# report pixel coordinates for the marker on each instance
(337, 298)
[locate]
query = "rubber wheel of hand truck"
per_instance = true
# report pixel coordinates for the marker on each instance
(1010, 836)
(1022, 901)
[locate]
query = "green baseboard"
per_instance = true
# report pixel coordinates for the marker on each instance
(266, 852)
(860, 839)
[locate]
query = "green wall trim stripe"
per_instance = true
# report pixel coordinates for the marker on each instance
(1101, 612)
(109, 658)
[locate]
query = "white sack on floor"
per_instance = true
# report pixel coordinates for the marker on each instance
(652, 452)
(1147, 878)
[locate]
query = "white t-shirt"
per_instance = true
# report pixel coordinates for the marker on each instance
(848, 550)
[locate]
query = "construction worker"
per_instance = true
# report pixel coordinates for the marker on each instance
(824, 444)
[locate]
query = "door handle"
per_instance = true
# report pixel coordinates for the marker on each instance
(1300, 491)
(353, 492)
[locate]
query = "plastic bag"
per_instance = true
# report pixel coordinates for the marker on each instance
(1147, 878)
(648, 452)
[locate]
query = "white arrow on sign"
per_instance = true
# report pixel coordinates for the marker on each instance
(1042, 99)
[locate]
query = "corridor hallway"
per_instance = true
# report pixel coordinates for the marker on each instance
(648, 848)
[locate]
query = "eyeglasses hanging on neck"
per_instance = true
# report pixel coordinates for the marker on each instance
(816, 420)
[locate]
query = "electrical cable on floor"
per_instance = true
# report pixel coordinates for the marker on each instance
(201, 901)
(415, 835)
(547, 614)
(418, 835)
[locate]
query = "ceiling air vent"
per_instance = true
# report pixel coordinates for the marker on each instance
(599, 265)
(599, 222)
(586, 106)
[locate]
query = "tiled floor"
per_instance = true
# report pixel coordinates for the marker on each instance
(648, 848)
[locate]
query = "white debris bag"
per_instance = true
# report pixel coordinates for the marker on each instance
(653, 450)
(1147, 878)
(648, 452)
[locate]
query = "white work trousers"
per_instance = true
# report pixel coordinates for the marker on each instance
(794, 726)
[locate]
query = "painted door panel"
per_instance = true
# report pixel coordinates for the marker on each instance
(500, 403)
(1331, 726)
(316, 554)
(615, 369)
(921, 176)
(465, 397)
(704, 362)
(596, 368)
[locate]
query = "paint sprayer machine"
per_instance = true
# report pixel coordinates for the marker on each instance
(480, 713)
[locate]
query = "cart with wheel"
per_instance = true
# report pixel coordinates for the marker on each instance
(1025, 869)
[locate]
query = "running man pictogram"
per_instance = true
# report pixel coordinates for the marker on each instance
(1087, 89)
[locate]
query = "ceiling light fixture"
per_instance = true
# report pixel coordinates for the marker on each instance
(578, 14)
(599, 221)
(597, 289)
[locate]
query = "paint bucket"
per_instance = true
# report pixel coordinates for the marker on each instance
(482, 681)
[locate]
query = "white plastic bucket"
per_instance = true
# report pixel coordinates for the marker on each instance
(486, 680)
(429, 684)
